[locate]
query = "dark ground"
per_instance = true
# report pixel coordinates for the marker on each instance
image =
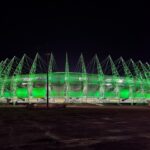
(104, 128)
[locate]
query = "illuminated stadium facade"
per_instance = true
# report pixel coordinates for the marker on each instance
(25, 80)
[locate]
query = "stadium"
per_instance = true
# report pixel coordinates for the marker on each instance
(28, 81)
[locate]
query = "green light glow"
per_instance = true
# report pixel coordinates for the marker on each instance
(74, 85)
(39, 92)
(75, 81)
(7, 94)
(124, 93)
(22, 93)
(110, 94)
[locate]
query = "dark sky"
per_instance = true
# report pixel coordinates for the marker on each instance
(119, 29)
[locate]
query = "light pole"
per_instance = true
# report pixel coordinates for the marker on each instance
(47, 79)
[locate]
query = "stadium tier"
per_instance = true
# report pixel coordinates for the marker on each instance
(26, 81)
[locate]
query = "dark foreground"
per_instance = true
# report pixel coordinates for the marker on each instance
(104, 128)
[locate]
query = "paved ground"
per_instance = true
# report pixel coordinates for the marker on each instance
(105, 128)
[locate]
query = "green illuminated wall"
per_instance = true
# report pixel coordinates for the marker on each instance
(76, 88)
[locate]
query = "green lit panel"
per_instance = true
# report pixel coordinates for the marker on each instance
(109, 94)
(75, 94)
(38, 92)
(22, 93)
(147, 95)
(7, 94)
(124, 93)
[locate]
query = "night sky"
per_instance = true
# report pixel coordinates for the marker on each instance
(118, 29)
